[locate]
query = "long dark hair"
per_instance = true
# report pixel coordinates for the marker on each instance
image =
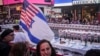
(19, 49)
(53, 53)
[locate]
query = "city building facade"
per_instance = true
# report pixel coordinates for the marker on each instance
(86, 9)
(79, 9)
(12, 8)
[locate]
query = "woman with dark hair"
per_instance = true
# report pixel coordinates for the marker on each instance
(44, 48)
(19, 49)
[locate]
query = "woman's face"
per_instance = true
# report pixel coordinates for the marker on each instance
(45, 49)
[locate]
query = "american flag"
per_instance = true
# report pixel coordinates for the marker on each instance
(28, 12)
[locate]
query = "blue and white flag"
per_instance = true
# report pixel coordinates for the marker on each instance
(34, 24)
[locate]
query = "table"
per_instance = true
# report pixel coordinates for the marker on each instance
(75, 46)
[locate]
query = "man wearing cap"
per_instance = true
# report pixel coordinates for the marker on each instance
(6, 36)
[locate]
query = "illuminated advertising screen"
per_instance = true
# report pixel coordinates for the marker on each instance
(62, 2)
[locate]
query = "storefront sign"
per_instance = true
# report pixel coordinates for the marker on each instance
(75, 2)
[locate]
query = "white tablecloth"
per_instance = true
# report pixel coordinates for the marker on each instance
(81, 32)
(75, 46)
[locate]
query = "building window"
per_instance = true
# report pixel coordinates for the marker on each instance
(47, 0)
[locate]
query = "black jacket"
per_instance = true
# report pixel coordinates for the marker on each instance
(4, 49)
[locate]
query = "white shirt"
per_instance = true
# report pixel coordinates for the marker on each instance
(19, 37)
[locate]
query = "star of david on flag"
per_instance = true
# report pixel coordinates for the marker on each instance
(34, 24)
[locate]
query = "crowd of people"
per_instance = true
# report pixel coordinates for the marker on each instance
(70, 20)
(14, 43)
(9, 21)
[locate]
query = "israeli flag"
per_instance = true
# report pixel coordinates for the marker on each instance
(34, 24)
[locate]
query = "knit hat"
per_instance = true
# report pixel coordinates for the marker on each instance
(5, 33)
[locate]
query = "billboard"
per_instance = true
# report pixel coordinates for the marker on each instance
(6, 2)
(62, 2)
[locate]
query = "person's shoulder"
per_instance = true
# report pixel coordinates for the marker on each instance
(22, 34)
(3, 45)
